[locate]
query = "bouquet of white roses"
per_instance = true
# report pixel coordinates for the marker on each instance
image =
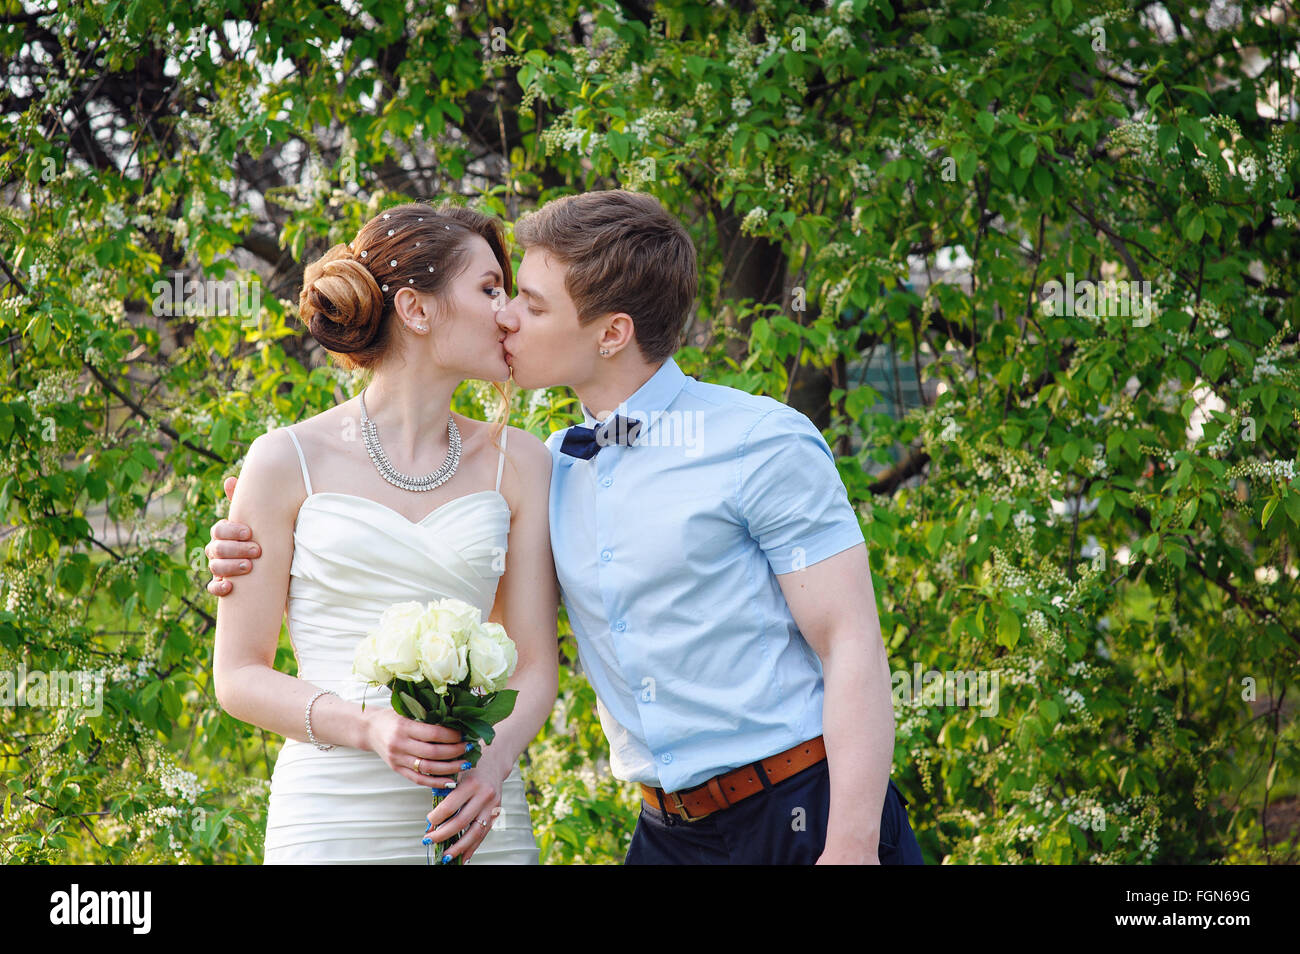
(445, 666)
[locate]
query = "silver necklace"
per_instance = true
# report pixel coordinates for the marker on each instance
(370, 434)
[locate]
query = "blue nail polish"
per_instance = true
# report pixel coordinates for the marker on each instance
(466, 766)
(469, 746)
(427, 827)
(426, 841)
(446, 858)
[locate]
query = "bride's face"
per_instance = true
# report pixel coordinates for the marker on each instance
(463, 333)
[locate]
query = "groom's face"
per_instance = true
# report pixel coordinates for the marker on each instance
(545, 345)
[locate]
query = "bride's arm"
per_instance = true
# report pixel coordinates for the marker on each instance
(248, 630)
(527, 596)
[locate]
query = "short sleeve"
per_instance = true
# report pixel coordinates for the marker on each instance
(791, 497)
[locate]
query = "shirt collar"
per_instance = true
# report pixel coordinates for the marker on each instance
(652, 397)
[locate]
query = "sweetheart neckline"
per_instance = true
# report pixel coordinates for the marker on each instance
(401, 516)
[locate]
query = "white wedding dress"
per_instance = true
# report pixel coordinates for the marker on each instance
(353, 558)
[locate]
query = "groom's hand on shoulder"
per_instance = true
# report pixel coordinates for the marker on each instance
(231, 551)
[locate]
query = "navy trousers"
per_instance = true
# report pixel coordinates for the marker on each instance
(785, 825)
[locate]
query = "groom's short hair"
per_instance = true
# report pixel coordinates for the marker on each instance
(624, 252)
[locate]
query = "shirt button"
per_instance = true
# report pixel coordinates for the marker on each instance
(606, 481)
(606, 555)
(619, 626)
(666, 757)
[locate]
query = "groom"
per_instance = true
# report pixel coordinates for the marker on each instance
(713, 569)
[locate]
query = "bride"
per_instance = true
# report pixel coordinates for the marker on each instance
(385, 498)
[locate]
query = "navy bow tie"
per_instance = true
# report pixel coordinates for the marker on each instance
(585, 442)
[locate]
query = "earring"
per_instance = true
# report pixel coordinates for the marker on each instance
(604, 351)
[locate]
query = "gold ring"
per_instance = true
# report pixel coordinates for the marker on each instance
(416, 765)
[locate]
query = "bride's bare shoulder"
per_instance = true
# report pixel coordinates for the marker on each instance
(319, 433)
(270, 478)
(528, 460)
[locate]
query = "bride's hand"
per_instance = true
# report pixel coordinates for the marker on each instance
(400, 741)
(478, 799)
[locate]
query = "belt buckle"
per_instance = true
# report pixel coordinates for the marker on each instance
(675, 800)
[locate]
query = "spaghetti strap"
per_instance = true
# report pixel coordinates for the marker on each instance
(302, 460)
(501, 460)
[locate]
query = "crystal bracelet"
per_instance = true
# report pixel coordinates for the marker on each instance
(315, 741)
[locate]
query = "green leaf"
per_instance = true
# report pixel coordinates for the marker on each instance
(220, 434)
(418, 712)
(478, 729)
(1193, 89)
(500, 705)
(1043, 182)
(1008, 628)
(1268, 511)
(1293, 507)
(151, 590)
(1050, 710)
(1214, 363)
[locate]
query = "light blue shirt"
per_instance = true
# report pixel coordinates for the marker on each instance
(667, 553)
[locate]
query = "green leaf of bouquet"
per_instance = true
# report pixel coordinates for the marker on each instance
(499, 706)
(398, 707)
(460, 696)
(413, 705)
(479, 729)
(427, 696)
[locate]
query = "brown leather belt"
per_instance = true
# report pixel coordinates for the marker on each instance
(723, 791)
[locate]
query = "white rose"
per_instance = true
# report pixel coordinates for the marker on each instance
(442, 660)
(492, 657)
(396, 640)
(365, 664)
(454, 617)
